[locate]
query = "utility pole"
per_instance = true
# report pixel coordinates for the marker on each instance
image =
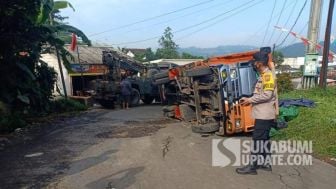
(324, 68)
(314, 24)
(310, 76)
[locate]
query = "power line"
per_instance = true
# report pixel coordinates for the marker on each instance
(152, 18)
(300, 32)
(290, 15)
(176, 18)
(212, 24)
(269, 22)
(263, 26)
(277, 22)
(191, 26)
(297, 18)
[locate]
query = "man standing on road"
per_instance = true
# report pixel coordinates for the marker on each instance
(126, 90)
(264, 112)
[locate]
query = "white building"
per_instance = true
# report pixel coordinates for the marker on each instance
(299, 61)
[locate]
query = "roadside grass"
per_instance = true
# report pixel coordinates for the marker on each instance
(58, 109)
(317, 124)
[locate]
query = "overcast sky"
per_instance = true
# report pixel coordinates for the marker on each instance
(199, 23)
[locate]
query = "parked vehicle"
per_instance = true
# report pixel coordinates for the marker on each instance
(107, 91)
(207, 93)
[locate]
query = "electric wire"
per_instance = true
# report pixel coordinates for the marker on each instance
(289, 17)
(175, 18)
(151, 18)
(189, 27)
(269, 22)
(218, 21)
(277, 22)
(291, 29)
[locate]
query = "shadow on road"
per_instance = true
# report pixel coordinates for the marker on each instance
(121, 179)
(83, 164)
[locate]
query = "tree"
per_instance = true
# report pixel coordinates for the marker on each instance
(190, 56)
(149, 54)
(27, 82)
(49, 16)
(278, 58)
(168, 48)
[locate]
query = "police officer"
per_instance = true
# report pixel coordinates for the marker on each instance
(264, 112)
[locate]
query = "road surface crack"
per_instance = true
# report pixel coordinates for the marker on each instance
(165, 146)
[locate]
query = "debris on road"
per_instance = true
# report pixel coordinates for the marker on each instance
(34, 155)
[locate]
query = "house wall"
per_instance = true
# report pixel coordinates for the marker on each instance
(51, 60)
(130, 54)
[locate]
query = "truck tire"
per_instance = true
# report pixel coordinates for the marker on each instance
(206, 128)
(109, 104)
(198, 72)
(187, 113)
(161, 75)
(148, 99)
(135, 97)
(161, 81)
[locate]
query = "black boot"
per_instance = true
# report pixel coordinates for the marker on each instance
(265, 167)
(250, 169)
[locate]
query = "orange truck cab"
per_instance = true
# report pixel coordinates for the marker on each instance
(207, 93)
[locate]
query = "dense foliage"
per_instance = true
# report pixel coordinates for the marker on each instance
(284, 83)
(26, 82)
(168, 48)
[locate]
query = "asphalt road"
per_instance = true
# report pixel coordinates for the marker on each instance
(136, 148)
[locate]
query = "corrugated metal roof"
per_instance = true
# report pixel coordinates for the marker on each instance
(92, 55)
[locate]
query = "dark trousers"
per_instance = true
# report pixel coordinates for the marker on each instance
(261, 140)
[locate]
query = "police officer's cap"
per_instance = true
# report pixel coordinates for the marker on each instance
(261, 57)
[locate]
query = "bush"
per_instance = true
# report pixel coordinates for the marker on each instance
(9, 122)
(67, 105)
(284, 83)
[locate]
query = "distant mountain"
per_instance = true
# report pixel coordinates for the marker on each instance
(294, 50)
(220, 50)
(299, 50)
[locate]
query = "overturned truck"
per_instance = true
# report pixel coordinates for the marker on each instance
(207, 93)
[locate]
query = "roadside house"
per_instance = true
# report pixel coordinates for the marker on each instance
(88, 67)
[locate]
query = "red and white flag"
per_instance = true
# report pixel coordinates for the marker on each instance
(307, 41)
(73, 42)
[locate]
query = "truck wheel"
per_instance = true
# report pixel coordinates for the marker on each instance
(198, 72)
(148, 99)
(187, 113)
(161, 75)
(161, 81)
(135, 97)
(206, 128)
(109, 104)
